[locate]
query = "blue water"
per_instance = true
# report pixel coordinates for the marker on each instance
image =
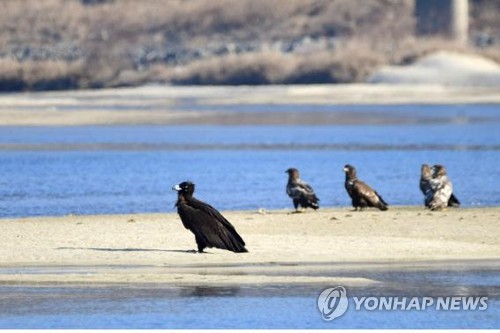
(241, 313)
(129, 169)
(248, 306)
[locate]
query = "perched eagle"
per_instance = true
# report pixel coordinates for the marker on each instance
(434, 185)
(361, 194)
(209, 227)
(301, 193)
(442, 189)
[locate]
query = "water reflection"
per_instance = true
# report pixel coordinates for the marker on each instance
(224, 307)
(210, 291)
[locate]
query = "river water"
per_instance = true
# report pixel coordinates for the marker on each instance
(258, 306)
(130, 169)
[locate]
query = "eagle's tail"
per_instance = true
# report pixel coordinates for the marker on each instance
(382, 205)
(314, 205)
(313, 202)
(453, 202)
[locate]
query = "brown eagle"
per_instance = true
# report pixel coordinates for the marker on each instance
(436, 187)
(361, 194)
(301, 193)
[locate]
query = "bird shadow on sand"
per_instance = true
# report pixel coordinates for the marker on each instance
(128, 249)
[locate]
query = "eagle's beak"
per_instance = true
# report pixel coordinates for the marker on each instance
(176, 188)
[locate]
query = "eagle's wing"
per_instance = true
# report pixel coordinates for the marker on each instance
(349, 187)
(443, 189)
(305, 187)
(425, 186)
(297, 190)
(366, 193)
(306, 190)
(438, 183)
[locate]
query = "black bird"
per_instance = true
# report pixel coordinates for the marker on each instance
(301, 193)
(432, 184)
(209, 227)
(361, 194)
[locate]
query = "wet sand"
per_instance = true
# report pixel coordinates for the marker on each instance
(311, 247)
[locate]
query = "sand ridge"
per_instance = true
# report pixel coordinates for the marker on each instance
(170, 105)
(284, 247)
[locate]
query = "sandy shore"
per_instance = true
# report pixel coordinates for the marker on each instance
(311, 247)
(164, 105)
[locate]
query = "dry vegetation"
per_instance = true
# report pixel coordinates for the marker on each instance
(60, 44)
(273, 67)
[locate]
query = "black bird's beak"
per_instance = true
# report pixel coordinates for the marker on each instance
(176, 188)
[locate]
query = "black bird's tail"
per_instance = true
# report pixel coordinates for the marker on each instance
(237, 247)
(240, 250)
(234, 242)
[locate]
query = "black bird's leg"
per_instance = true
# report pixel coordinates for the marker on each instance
(200, 243)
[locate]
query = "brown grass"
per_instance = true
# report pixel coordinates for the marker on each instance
(106, 37)
(355, 61)
(40, 75)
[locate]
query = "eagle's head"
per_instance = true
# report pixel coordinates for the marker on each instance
(350, 171)
(425, 171)
(293, 173)
(438, 171)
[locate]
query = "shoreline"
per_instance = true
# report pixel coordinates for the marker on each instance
(318, 247)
